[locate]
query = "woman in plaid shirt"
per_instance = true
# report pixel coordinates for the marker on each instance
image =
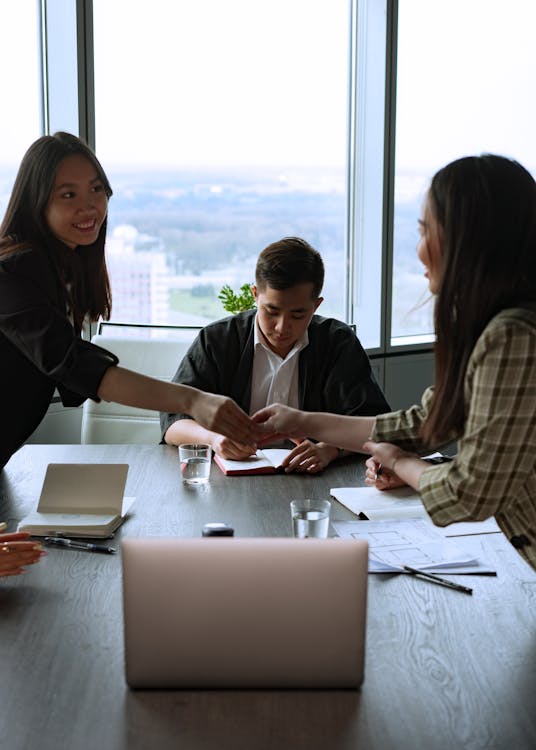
(478, 246)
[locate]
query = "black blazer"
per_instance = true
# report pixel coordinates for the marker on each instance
(334, 370)
(39, 349)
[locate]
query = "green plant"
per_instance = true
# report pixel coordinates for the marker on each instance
(235, 303)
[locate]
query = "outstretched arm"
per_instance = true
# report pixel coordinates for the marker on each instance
(217, 413)
(335, 429)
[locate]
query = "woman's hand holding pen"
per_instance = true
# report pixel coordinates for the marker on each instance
(390, 466)
(378, 473)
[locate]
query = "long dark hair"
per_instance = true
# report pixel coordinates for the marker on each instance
(485, 207)
(83, 280)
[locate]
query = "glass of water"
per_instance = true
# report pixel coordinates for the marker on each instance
(195, 462)
(310, 518)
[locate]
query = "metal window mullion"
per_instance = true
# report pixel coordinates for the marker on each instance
(351, 163)
(86, 68)
(389, 171)
(43, 66)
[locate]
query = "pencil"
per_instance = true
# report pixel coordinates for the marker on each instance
(437, 579)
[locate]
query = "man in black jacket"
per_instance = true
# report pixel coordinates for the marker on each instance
(281, 352)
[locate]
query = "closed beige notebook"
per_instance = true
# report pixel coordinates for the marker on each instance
(80, 500)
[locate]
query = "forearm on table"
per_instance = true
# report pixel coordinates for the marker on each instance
(188, 431)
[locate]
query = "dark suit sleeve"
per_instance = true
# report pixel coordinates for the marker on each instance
(339, 378)
(219, 361)
(31, 322)
(197, 369)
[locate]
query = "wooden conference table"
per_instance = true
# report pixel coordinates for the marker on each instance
(443, 669)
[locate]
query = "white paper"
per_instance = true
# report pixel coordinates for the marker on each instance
(393, 544)
(369, 500)
(402, 503)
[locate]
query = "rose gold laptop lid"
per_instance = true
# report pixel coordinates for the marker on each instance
(244, 613)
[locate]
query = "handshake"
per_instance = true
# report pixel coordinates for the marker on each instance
(238, 436)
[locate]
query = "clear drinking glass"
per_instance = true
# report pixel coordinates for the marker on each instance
(195, 462)
(310, 518)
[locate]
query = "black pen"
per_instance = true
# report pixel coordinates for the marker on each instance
(436, 579)
(73, 544)
(379, 471)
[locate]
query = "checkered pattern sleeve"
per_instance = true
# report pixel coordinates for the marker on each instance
(403, 427)
(494, 472)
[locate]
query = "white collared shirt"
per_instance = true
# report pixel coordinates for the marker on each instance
(274, 379)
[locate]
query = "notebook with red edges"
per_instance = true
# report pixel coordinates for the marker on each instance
(267, 461)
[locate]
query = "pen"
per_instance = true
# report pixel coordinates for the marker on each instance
(379, 472)
(436, 579)
(72, 544)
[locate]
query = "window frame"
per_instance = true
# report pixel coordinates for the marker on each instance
(68, 103)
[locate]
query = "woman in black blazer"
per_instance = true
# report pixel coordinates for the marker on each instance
(53, 278)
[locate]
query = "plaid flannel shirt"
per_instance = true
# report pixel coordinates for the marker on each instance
(494, 471)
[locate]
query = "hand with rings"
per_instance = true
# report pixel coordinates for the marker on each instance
(16, 552)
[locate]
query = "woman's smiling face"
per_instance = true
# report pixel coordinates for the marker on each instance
(78, 203)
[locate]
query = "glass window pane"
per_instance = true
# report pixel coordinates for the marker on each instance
(466, 82)
(222, 127)
(20, 123)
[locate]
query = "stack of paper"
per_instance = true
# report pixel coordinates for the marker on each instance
(400, 504)
(378, 505)
(400, 532)
(395, 544)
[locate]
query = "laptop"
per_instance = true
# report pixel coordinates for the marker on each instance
(244, 613)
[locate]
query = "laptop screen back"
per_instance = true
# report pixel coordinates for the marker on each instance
(236, 613)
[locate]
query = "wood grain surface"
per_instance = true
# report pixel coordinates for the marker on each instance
(443, 670)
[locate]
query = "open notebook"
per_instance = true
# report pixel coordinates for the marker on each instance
(265, 461)
(80, 500)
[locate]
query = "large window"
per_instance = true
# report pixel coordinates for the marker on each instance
(20, 123)
(222, 127)
(465, 85)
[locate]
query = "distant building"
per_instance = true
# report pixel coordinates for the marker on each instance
(139, 279)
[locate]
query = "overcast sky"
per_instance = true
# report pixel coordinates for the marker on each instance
(247, 82)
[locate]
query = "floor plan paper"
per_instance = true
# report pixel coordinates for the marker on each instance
(393, 544)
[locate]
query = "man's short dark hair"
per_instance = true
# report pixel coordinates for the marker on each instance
(289, 262)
